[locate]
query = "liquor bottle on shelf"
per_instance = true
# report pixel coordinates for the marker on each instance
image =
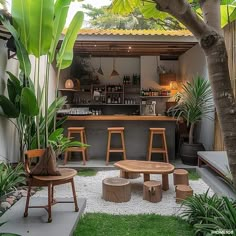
(119, 99)
(108, 99)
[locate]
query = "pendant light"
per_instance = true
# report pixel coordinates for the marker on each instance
(99, 71)
(114, 72)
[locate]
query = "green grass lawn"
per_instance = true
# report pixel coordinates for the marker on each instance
(97, 224)
(193, 175)
(87, 172)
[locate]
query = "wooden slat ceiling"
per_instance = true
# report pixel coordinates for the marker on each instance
(128, 48)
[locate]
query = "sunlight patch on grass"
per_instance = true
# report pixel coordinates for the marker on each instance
(87, 172)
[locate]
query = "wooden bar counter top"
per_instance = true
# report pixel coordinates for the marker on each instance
(122, 117)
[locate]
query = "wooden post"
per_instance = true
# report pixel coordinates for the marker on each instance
(116, 190)
(152, 191)
(165, 182)
(129, 175)
(146, 177)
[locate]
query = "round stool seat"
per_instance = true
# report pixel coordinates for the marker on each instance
(182, 192)
(152, 191)
(157, 129)
(76, 129)
(116, 190)
(115, 128)
(180, 177)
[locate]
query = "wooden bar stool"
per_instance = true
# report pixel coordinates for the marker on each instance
(115, 130)
(163, 149)
(83, 150)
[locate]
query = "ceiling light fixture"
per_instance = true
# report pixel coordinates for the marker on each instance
(99, 71)
(114, 72)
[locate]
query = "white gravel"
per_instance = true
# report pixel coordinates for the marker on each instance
(91, 189)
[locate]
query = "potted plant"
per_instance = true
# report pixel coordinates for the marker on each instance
(194, 103)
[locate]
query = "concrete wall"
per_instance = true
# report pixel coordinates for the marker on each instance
(9, 145)
(193, 63)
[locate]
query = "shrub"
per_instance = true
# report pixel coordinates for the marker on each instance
(10, 177)
(223, 222)
(208, 213)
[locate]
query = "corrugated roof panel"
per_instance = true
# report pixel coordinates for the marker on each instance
(133, 32)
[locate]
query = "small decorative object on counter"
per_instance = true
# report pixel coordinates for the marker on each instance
(69, 84)
(77, 84)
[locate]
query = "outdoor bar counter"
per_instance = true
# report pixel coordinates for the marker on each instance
(136, 134)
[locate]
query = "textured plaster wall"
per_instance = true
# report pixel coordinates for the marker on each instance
(193, 63)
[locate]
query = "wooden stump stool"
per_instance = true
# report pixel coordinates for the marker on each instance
(182, 192)
(116, 190)
(152, 191)
(180, 177)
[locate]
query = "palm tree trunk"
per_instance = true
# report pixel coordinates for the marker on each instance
(212, 42)
(191, 133)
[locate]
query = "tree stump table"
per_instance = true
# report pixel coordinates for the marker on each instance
(180, 177)
(116, 190)
(147, 168)
(182, 192)
(152, 191)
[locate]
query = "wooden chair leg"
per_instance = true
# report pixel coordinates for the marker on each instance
(52, 194)
(86, 150)
(49, 203)
(27, 200)
(108, 148)
(69, 153)
(65, 157)
(150, 147)
(84, 157)
(165, 146)
(123, 145)
(74, 195)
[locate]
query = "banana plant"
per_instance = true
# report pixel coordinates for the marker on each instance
(38, 26)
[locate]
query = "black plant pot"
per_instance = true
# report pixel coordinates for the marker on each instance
(188, 153)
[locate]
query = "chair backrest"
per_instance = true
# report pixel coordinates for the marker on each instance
(32, 154)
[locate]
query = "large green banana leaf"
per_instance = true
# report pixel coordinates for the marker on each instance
(20, 15)
(14, 88)
(124, 6)
(22, 54)
(40, 26)
(8, 108)
(28, 103)
(65, 54)
(60, 12)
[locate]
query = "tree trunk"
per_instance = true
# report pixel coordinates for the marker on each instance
(212, 42)
(191, 133)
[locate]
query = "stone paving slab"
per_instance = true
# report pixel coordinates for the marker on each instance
(64, 218)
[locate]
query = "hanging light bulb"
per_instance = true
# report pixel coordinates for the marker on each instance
(99, 71)
(114, 72)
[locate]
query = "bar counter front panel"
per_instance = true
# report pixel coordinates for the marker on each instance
(136, 134)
